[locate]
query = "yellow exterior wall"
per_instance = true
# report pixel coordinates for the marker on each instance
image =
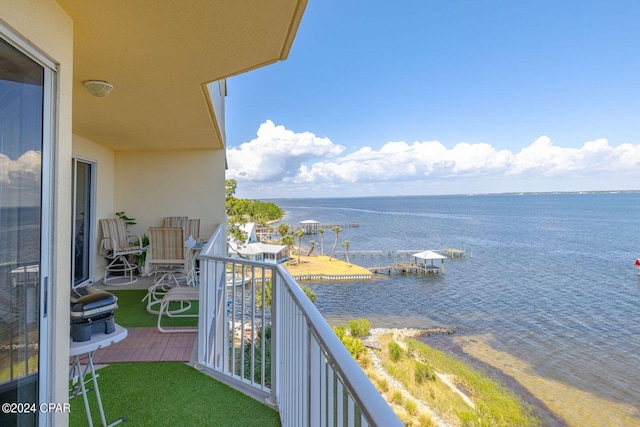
(150, 185)
(104, 160)
(47, 27)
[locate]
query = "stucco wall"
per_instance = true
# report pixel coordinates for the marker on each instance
(49, 29)
(150, 185)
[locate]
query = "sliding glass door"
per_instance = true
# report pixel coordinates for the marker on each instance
(25, 140)
(83, 224)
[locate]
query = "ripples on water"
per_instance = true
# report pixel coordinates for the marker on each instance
(550, 276)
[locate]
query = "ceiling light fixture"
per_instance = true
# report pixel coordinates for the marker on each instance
(98, 88)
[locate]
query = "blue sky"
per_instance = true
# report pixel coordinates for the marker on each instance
(443, 97)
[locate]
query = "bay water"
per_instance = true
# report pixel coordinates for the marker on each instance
(547, 291)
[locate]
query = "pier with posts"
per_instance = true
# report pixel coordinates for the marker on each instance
(309, 227)
(312, 227)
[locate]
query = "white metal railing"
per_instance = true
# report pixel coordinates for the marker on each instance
(261, 334)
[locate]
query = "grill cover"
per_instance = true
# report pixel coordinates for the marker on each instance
(88, 304)
(91, 312)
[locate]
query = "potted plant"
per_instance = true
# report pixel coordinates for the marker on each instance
(142, 257)
(128, 221)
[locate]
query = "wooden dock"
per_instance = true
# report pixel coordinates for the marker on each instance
(263, 232)
(326, 227)
(452, 252)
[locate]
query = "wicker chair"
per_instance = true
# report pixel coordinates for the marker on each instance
(116, 246)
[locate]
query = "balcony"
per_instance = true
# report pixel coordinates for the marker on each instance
(259, 334)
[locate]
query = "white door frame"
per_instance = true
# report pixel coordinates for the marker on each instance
(48, 195)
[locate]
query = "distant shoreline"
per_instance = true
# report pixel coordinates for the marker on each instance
(509, 193)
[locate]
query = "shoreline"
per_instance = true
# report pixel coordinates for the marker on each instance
(576, 407)
(449, 345)
(553, 402)
(423, 335)
(443, 338)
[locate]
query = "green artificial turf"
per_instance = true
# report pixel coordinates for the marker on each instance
(169, 394)
(132, 311)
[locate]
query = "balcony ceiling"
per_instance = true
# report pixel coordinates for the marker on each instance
(159, 55)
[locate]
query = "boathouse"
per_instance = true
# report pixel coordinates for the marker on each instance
(254, 250)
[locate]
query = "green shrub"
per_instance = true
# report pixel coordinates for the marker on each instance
(423, 372)
(395, 351)
(411, 406)
(396, 397)
(411, 347)
(354, 346)
(312, 295)
(257, 362)
(405, 418)
(425, 420)
(468, 418)
(383, 384)
(267, 295)
(340, 331)
(359, 327)
(364, 360)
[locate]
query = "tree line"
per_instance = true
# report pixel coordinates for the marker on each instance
(239, 211)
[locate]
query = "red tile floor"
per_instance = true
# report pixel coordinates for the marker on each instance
(148, 345)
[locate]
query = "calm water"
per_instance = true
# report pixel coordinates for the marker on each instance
(19, 235)
(552, 277)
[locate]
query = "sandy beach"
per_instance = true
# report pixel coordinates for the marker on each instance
(322, 265)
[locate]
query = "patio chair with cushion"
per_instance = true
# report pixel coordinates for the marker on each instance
(192, 228)
(169, 261)
(175, 221)
(116, 246)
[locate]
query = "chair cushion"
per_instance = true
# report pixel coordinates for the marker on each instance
(115, 233)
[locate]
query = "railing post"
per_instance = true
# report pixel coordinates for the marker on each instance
(275, 335)
(314, 403)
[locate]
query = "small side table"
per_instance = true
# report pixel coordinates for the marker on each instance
(77, 374)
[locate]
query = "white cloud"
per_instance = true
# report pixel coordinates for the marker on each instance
(20, 179)
(277, 153)
(304, 160)
(23, 171)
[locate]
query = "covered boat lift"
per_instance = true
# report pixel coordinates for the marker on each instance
(423, 257)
